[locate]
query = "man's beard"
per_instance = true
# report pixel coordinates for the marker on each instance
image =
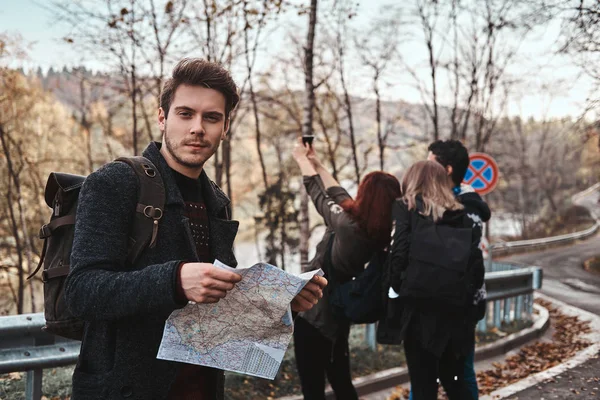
(172, 149)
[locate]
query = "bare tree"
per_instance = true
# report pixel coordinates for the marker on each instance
(376, 49)
(307, 125)
(428, 14)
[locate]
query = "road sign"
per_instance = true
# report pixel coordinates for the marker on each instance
(482, 173)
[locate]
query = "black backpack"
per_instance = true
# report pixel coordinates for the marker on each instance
(438, 268)
(358, 300)
(61, 194)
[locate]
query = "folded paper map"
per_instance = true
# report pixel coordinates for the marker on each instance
(247, 332)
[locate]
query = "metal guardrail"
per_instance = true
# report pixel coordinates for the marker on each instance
(502, 247)
(575, 198)
(510, 290)
(569, 237)
(25, 347)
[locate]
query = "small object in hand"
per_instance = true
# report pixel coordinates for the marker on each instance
(307, 139)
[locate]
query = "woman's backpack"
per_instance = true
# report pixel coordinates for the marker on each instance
(62, 194)
(358, 300)
(438, 268)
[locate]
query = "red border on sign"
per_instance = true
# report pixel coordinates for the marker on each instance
(489, 162)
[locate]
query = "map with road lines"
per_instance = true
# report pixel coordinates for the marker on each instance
(247, 332)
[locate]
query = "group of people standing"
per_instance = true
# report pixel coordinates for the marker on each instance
(123, 302)
(437, 329)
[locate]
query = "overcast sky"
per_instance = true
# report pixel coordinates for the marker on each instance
(567, 93)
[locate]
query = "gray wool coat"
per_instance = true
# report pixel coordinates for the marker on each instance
(125, 306)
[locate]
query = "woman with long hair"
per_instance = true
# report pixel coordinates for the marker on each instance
(360, 227)
(435, 266)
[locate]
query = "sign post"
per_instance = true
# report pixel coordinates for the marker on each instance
(482, 175)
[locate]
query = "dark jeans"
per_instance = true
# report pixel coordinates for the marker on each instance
(317, 356)
(470, 376)
(425, 368)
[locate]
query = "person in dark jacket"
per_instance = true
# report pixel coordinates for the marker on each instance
(360, 227)
(436, 335)
(454, 157)
(125, 305)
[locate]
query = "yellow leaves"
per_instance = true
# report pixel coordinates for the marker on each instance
(399, 393)
(15, 376)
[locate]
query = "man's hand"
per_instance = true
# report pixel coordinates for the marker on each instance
(205, 283)
(310, 295)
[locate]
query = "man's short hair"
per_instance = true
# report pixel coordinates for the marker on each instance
(199, 72)
(453, 153)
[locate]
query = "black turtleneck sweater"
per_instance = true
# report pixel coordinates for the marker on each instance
(194, 381)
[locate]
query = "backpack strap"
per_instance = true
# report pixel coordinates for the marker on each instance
(150, 206)
(412, 222)
(330, 274)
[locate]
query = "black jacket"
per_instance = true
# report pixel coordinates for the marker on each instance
(478, 212)
(434, 325)
(125, 306)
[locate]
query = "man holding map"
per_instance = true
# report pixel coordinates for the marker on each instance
(125, 305)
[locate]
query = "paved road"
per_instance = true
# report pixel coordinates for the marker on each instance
(566, 280)
(580, 383)
(564, 276)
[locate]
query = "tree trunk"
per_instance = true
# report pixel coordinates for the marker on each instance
(348, 109)
(307, 128)
(432, 65)
(85, 125)
(330, 147)
(133, 78)
(428, 30)
(380, 140)
(227, 166)
(134, 110)
(218, 169)
(13, 219)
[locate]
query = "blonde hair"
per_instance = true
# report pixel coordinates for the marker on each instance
(430, 180)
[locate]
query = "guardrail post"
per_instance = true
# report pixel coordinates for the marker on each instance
(33, 388)
(528, 306)
(482, 325)
(538, 274)
(519, 308)
(496, 316)
(370, 336)
(507, 304)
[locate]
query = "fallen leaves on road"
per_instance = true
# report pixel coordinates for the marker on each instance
(539, 356)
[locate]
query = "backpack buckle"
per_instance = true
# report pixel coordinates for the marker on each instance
(149, 170)
(45, 232)
(153, 212)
